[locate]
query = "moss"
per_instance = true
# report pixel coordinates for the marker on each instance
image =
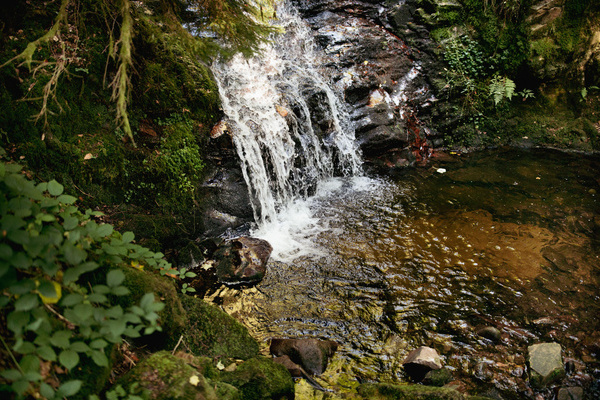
(212, 332)
(172, 317)
(164, 376)
(261, 378)
(409, 392)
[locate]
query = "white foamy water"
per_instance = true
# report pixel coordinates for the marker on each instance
(291, 132)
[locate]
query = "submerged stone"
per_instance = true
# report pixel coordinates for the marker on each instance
(311, 354)
(545, 364)
(570, 393)
(491, 333)
(420, 361)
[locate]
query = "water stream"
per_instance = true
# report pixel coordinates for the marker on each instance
(384, 264)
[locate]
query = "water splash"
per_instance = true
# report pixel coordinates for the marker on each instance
(290, 129)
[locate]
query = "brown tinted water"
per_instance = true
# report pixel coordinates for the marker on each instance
(508, 239)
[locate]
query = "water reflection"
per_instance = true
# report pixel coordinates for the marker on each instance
(504, 239)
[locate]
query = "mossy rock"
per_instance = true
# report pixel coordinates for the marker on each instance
(172, 318)
(261, 378)
(408, 392)
(165, 376)
(212, 332)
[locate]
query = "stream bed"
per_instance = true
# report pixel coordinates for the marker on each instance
(428, 256)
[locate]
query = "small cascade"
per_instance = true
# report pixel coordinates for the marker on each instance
(289, 127)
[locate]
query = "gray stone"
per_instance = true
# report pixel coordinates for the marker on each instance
(420, 361)
(438, 377)
(570, 393)
(545, 364)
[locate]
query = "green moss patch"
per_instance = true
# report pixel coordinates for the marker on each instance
(212, 332)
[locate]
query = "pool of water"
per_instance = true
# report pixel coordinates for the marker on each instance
(428, 256)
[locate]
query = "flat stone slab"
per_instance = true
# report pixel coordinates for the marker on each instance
(545, 364)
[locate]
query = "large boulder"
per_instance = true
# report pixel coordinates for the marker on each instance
(545, 364)
(420, 361)
(311, 354)
(242, 260)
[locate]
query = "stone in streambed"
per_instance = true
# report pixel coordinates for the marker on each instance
(420, 361)
(311, 354)
(242, 260)
(570, 393)
(491, 333)
(545, 364)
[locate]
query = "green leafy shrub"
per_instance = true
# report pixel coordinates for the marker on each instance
(55, 316)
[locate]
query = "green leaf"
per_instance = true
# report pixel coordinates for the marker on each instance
(55, 188)
(47, 289)
(83, 311)
(47, 353)
(22, 287)
(70, 222)
(73, 254)
(80, 347)
(5, 252)
(71, 299)
(98, 344)
(32, 376)
(26, 302)
(97, 298)
(102, 289)
(17, 321)
(66, 199)
(147, 301)
(100, 358)
(46, 391)
(68, 388)
(128, 237)
(11, 374)
(23, 347)
(120, 291)
(115, 277)
(20, 387)
(68, 358)
(30, 363)
(61, 339)
(115, 312)
(104, 230)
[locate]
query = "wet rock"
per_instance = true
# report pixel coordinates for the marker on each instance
(294, 369)
(311, 354)
(545, 364)
(491, 333)
(420, 361)
(438, 377)
(570, 393)
(242, 260)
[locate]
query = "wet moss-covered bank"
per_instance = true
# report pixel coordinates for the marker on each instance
(150, 187)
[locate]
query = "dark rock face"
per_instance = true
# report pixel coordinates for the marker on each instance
(311, 354)
(226, 202)
(242, 260)
(381, 78)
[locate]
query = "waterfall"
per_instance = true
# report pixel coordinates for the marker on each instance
(290, 130)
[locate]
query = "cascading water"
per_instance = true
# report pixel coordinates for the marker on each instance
(290, 131)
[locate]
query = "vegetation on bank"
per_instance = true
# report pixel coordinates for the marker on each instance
(518, 73)
(115, 100)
